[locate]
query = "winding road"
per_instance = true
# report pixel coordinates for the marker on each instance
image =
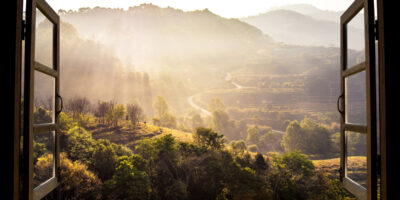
(205, 112)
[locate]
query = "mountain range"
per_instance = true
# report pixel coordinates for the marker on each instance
(306, 25)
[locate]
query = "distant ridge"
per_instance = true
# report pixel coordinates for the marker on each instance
(292, 27)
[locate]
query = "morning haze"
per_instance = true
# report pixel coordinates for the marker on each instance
(165, 103)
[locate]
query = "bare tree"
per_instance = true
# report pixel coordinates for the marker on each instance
(135, 113)
(102, 109)
(77, 106)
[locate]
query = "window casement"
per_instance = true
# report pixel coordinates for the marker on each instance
(41, 80)
(358, 98)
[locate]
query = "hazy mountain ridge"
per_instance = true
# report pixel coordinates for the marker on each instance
(291, 25)
(316, 13)
(90, 69)
(148, 35)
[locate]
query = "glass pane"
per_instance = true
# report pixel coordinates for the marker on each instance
(43, 153)
(355, 40)
(355, 99)
(44, 98)
(44, 40)
(356, 160)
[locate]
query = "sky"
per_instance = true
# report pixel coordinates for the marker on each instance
(224, 8)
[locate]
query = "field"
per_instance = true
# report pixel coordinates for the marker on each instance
(125, 134)
(356, 166)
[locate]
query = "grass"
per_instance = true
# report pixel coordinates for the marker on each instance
(128, 135)
(356, 168)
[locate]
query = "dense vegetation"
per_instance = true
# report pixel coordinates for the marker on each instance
(204, 107)
(167, 168)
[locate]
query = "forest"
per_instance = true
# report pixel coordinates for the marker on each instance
(161, 103)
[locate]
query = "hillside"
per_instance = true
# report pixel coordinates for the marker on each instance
(292, 27)
(149, 35)
(126, 135)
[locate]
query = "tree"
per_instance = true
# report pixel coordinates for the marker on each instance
(208, 138)
(253, 136)
(41, 115)
(115, 113)
(238, 147)
(259, 164)
(78, 105)
(130, 180)
(102, 109)
(119, 113)
(65, 122)
(160, 106)
(104, 159)
(308, 137)
(271, 142)
(135, 113)
(294, 137)
(79, 145)
(76, 181)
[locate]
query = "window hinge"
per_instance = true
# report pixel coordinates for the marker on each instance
(23, 30)
(376, 30)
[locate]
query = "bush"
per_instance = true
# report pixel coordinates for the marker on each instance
(76, 181)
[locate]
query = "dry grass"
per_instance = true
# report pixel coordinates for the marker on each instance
(126, 134)
(356, 165)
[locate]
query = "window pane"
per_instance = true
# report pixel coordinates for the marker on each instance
(44, 40)
(356, 160)
(355, 40)
(43, 153)
(44, 98)
(355, 98)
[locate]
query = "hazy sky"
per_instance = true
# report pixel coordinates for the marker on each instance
(224, 8)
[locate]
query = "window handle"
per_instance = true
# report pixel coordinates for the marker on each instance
(338, 104)
(61, 104)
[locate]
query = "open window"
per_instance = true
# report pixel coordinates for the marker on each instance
(41, 98)
(358, 102)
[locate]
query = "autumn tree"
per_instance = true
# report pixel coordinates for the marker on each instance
(76, 181)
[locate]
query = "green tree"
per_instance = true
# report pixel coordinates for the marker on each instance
(253, 136)
(294, 137)
(79, 145)
(160, 106)
(104, 159)
(129, 181)
(208, 138)
(118, 113)
(270, 142)
(41, 115)
(65, 122)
